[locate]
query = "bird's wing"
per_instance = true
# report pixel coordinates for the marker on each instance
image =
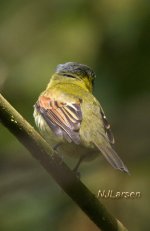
(107, 151)
(107, 127)
(63, 118)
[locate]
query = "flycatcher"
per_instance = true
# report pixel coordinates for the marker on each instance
(72, 120)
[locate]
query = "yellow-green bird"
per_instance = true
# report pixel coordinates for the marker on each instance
(72, 119)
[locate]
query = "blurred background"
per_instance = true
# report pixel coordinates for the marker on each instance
(113, 38)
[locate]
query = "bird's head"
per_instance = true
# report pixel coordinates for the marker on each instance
(75, 73)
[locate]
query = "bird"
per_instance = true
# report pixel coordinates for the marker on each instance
(72, 120)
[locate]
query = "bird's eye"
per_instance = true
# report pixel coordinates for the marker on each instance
(69, 75)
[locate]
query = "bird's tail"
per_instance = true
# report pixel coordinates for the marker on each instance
(112, 157)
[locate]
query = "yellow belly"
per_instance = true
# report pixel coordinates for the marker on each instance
(76, 151)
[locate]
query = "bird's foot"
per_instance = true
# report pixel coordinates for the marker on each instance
(56, 153)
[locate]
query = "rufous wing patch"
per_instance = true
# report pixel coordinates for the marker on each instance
(63, 118)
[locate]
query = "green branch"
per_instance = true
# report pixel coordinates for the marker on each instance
(67, 180)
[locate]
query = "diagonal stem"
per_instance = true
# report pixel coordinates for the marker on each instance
(54, 165)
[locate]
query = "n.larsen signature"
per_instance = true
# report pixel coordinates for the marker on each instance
(110, 194)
